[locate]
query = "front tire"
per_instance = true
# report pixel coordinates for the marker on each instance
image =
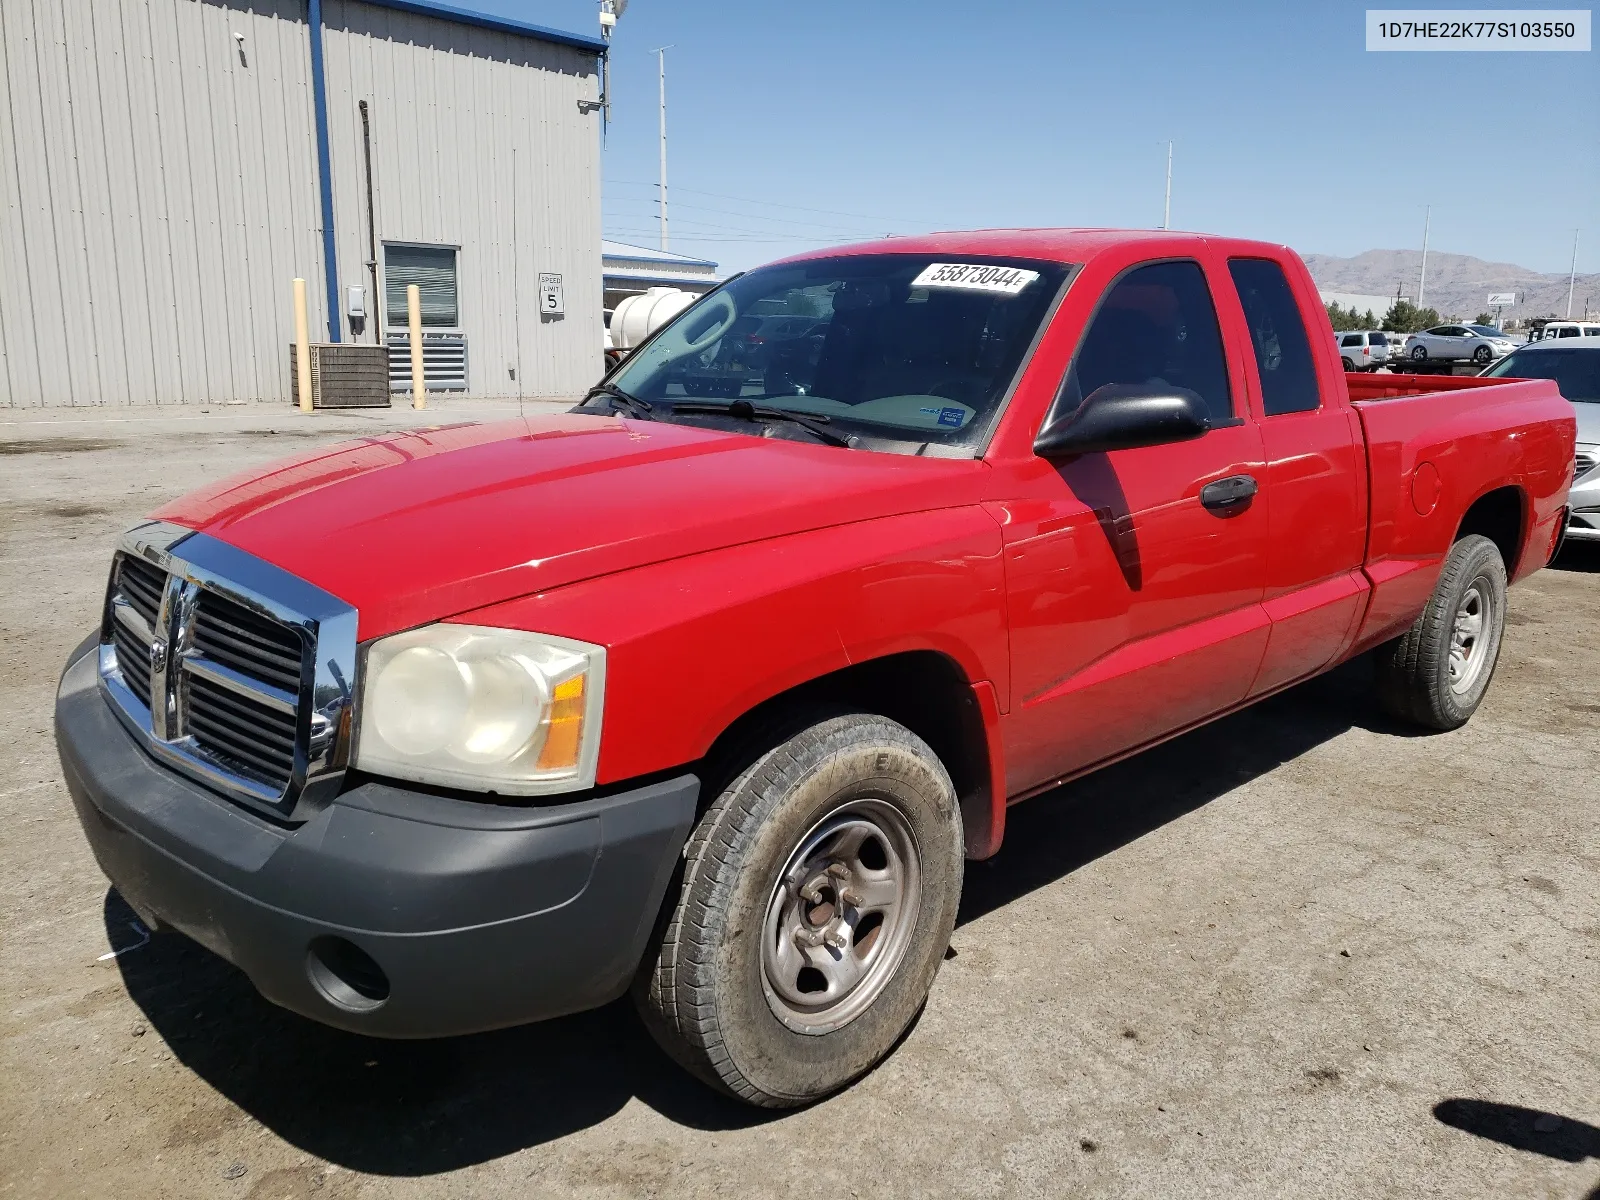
(1437, 673)
(1482, 355)
(819, 893)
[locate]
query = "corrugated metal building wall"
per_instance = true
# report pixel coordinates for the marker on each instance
(159, 192)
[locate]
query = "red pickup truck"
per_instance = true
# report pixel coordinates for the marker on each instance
(710, 696)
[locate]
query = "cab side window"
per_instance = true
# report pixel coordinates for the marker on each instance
(1278, 336)
(1157, 327)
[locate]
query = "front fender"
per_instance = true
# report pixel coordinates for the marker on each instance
(696, 642)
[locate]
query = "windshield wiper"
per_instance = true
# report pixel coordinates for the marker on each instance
(642, 409)
(746, 411)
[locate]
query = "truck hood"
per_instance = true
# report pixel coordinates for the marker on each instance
(417, 526)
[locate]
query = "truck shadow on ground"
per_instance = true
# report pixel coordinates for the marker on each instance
(419, 1108)
(1529, 1129)
(1581, 557)
(1060, 831)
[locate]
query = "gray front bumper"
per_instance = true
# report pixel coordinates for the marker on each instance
(478, 915)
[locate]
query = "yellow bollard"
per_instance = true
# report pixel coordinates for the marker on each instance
(302, 346)
(419, 383)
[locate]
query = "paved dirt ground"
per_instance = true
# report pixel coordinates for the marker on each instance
(1299, 953)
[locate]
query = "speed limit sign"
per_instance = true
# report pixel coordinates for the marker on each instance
(550, 299)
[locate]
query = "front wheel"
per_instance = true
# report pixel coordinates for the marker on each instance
(818, 897)
(1437, 673)
(1482, 355)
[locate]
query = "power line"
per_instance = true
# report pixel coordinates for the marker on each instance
(749, 216)
(717, 226)
(768, 203)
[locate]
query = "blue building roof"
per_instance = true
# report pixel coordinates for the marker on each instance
(464, 16)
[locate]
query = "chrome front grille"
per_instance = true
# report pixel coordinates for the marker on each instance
(253, 739)
(229, 633)
(232, 670)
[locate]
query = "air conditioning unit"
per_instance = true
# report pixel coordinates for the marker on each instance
(344, 375)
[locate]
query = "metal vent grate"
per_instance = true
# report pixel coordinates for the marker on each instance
(444, 361)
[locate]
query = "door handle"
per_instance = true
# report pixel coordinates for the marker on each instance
(1228, 496)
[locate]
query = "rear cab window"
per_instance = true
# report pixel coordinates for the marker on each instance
(1277, 336)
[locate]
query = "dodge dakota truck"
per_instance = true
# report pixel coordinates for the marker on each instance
(710, 698)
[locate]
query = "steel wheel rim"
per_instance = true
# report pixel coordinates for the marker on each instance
(841, 916)
(1470, 635)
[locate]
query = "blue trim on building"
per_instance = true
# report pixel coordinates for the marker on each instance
(463, 16)
(319, 100)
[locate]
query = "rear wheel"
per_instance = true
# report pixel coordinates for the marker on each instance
(1419, 353)
(819, 892)
(1437, 673)
(1348, 365)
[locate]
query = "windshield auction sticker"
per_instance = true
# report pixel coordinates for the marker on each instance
(1478, 29)
(975, 277)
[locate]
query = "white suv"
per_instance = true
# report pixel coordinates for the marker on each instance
(1567, 329)
(1367, 349)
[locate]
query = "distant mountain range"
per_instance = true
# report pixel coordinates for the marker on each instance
(1458, 284)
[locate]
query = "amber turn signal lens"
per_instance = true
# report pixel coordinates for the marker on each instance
(566, 726)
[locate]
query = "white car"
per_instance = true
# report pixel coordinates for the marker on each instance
(1567, 329)
(1575, 367)
(1367, 349)
(1481, 343)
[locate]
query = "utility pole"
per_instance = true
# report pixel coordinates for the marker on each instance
(1166, 208)
(1422, 284)
(661, 57)
(1572, 276)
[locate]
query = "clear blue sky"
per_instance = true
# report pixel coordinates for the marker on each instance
(934, 115)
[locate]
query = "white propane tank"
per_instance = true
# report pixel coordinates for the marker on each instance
(637, 317)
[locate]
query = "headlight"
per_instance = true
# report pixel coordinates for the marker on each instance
(484, 709)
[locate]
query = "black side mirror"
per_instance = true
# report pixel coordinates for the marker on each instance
(1121, 416)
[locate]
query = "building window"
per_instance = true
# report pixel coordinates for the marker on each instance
(433, 270)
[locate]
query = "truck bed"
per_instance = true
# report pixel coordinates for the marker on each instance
(1383, 387)
(1436, 447)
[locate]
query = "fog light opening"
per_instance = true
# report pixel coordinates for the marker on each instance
(346, 975)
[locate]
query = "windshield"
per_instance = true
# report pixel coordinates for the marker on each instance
(1576, 372)
(907, 348)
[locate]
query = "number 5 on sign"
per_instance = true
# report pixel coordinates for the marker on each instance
(551, 303)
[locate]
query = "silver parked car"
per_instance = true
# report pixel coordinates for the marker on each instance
(1481, 343)
(1575, 367)
(1367, 349)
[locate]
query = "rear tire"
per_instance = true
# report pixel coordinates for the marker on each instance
(818, 897)
(1419, 354)
(1348, 365)
(1437, 673)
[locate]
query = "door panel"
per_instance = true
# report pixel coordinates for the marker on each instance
(1134, 609)
(1317, 476)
